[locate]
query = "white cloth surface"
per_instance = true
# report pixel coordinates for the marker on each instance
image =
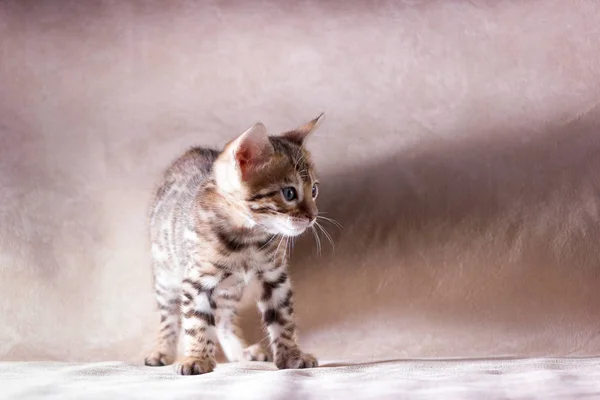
(548, 378)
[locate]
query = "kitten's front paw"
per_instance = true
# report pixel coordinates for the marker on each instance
(158, 358)
(295, 359)
(256, 353)
(195, 366)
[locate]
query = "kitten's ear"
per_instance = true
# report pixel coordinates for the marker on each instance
(300, 134)
(251, 149)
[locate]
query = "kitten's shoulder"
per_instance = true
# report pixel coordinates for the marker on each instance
(195, 159)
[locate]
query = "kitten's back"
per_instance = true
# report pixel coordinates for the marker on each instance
(172, 208)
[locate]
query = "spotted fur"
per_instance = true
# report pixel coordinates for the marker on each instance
(220, 219)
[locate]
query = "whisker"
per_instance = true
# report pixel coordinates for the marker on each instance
(285, 249)
(317, 239)
(327, 235)
(277, 250)
(266, 337)
(291, 240)
(269, 241)
(333, 221)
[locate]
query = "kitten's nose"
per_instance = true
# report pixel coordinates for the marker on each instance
(312, 216)
(309, 211)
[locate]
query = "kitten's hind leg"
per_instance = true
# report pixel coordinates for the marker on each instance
(167, 298)
(256, 352)
(228, 330)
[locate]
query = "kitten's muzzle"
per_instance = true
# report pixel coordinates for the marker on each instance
(302, 223)
(311, 216)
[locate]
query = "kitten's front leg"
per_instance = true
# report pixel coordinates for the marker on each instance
(276, 306)
(198, 308)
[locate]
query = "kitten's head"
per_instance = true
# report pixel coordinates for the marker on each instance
(271, 178)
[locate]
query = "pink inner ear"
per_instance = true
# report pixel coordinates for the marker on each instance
(243, 156)
(252, 150)
(248, 159)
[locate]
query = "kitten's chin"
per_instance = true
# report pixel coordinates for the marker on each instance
(285, 229)
(292, 232)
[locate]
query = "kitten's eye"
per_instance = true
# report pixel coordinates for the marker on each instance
(289, 193)
(315, 191)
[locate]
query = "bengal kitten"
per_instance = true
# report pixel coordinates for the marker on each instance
(219, 220)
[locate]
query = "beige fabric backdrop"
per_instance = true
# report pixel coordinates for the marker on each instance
(461, 152)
